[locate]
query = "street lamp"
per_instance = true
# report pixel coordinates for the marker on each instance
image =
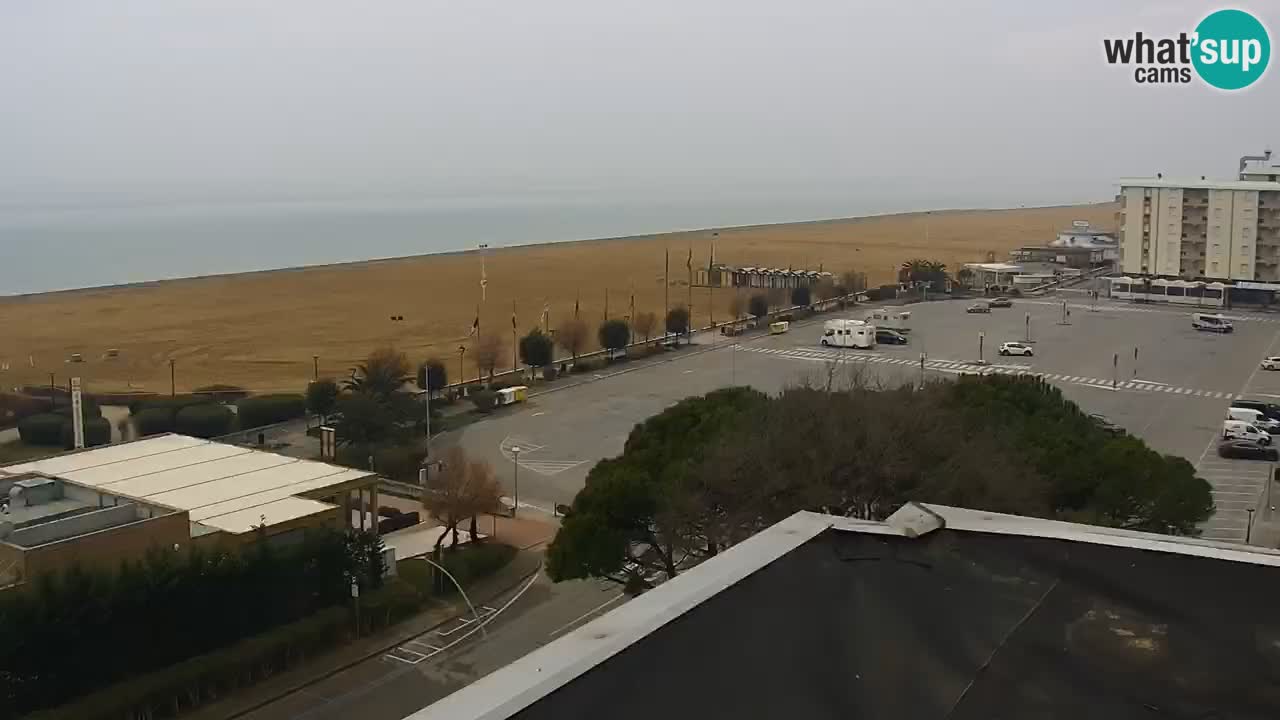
(515, 462)
(981, 339)
(462, 350)
(315, 365)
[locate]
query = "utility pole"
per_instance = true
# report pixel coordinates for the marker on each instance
(462, 351)
(981, 338)
(1028, 324)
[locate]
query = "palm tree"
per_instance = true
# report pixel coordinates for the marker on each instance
(965, 276)
(381, 375)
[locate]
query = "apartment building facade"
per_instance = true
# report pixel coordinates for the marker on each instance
(1200, 230)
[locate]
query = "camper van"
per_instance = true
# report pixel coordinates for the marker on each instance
(1211, 323)
(899, 320)
(848, 333)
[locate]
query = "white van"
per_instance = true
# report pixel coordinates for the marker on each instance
(1253, 417)
(1211, 323)
(848, 333)
(899, 320)
(1240, 430)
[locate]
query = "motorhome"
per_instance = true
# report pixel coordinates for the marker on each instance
(1211, 323)
(848, 333)
(899, 320)
(1254, 417)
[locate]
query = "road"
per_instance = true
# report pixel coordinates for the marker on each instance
(1172, 391)
(412, 676)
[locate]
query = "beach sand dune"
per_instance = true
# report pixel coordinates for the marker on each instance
(260, 330)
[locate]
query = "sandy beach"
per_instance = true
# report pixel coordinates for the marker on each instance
(261, 330)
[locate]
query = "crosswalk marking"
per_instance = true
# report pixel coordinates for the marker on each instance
(953, 366)
(1174, 310)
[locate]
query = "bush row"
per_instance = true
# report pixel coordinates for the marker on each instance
(57, 430)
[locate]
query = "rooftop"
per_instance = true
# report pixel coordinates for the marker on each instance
(224, 487)
(1199, 184)
(938, 612)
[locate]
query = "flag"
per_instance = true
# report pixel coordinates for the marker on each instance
(546, 313)
(475, 326)
(513, 314)
(575, 306)
(484, 278)
(689, 263)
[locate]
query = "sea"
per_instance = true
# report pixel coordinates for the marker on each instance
(58, 241)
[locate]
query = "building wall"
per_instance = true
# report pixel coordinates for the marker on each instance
(1269, 236)
(1244, 231)
(107, 548)
(1166, 231)
(1132, 254)
(1218, 234)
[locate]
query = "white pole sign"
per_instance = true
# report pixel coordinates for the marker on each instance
(77, 414)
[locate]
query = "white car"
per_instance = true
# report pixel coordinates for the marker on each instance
(1271, 363)
(1015, 348)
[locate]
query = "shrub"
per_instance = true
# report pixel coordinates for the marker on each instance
(262, 410)
(322, 397)
(678, 320)
(88, 408)
(14, 408)
(801, 296)
(484, 400)
(432, 375)
(172, 404)
(153, 421)
(614, 335)
(536, 348)
(222, 391)
(204, 421)
(97, 431)
(758, 305)
(42, 429)
(474, 561)
(549, 373)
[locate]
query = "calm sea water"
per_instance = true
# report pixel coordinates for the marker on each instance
(62, 243)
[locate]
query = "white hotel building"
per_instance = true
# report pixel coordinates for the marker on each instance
(1206, 230)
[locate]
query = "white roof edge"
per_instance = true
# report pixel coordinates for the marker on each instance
(1149, 182)
(999, 523)
(527, 680)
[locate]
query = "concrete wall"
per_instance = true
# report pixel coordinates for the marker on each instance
(1166, 232)
(1244, 234)
(107, 548)
(1217, 253)
(1131, 231)
(70, 527)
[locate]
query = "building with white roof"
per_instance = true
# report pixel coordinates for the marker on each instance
(206, 492)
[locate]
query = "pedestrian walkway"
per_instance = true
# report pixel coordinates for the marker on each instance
(966, 367)
(1162, 309)
(1237, 487)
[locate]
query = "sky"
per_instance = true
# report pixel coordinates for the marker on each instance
(243, 98)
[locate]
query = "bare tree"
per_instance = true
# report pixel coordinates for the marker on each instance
(737, 306)
(644, 323)
(572, 336)
(445, 497)
(852, 281)
(482, 495)
(489, 350)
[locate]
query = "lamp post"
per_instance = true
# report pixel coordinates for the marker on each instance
(515, 470)
(462, 351)
(981, 338)
(315, 367)
(1028, 324)
(1248, 530)
(458, 585)
(1115, 369)
(173, 385)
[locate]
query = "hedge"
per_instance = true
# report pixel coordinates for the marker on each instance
(467, 564)
(270, 409)
(485, 400)
(396, 462)
(172, 404)
(204, 421)
(88, 408)
(97, 431)
(42, 429)
(191, 683)
(13, 408)
(223, 391)
(153, 421)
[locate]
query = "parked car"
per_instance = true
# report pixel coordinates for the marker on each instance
(1248, 450)
(1241, 430)
(1271, 410)
(978, 307)
(1106, 425)
(1271, 363)
(1001, 302)
(1016, 348)
(890, 337)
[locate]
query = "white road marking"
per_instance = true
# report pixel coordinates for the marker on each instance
(587, 614)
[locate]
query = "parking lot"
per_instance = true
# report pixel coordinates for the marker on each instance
(1144, 367)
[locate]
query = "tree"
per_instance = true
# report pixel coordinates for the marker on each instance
(801, 296)
(614, 335)
(322, 398)
(737, 306)
(758, 305)
(644, 323)
(432, 375)
(826, 289)
(572, 336)
(365, 420)
(537, 349)
(488, 352)
(678, 320)
(384, 372)
(923, 272)
(852, 282)
(204, 421)
(463, 489)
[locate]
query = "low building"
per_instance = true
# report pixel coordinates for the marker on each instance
(720, 275)
(938, 612)
(170, 491)
(1079, 258)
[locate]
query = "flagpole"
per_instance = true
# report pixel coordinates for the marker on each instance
(711, 286)
(689, 266)
(515, 346)
(606, 304)
(666, 287)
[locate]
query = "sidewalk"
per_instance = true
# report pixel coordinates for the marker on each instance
(525, 564)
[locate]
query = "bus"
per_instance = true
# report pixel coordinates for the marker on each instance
(1177, 292)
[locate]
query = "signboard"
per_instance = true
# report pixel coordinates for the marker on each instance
(77, 414)
(1246, 285)
(327, 443)
(1079, 223)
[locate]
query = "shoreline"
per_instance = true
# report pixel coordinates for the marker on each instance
(375, 261)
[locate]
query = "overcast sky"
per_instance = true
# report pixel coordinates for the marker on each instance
(395, 95)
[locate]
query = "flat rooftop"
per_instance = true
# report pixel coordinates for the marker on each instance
(1199, 184)
(225, 487)
(937, 613)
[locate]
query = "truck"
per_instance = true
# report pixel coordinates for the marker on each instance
(848, 333)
